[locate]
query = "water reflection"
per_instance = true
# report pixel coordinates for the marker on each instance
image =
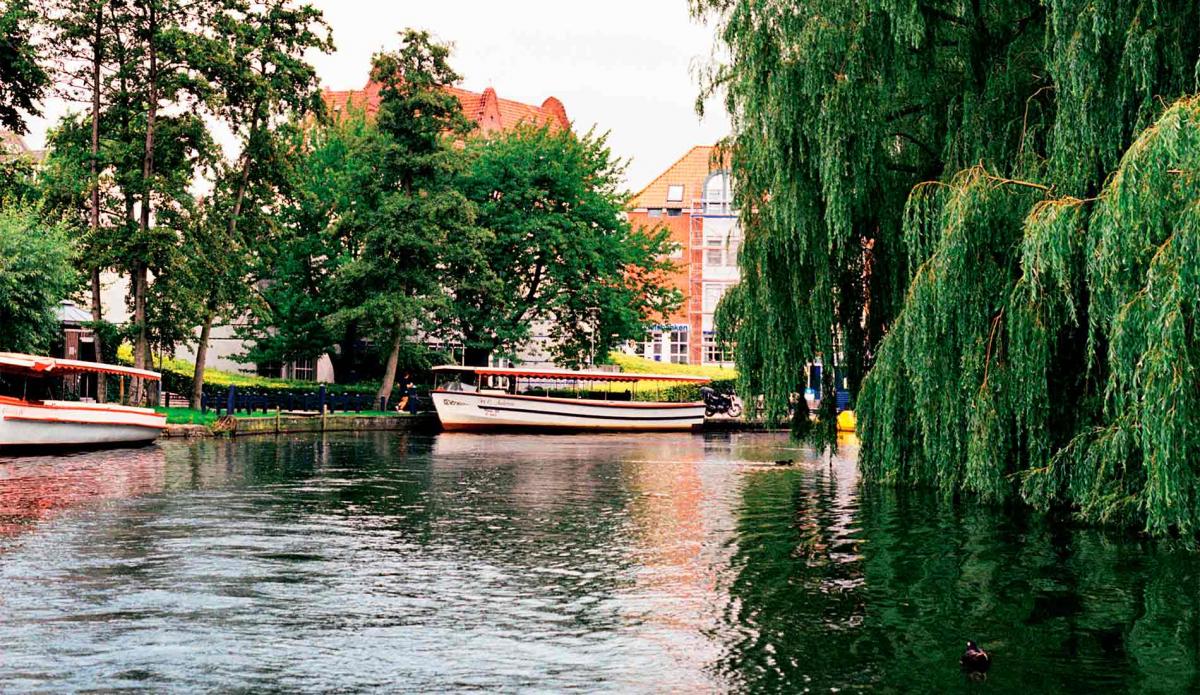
(631, 564)
(35, 489)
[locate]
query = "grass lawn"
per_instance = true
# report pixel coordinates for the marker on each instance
(187, 416)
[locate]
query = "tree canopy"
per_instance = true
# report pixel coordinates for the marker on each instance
(23, 78)
(999, 188)
(558, 250)
(408, 227)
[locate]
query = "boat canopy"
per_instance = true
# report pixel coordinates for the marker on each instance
(580, 375)
(33, 365)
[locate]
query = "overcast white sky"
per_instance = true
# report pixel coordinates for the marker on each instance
(625, 66)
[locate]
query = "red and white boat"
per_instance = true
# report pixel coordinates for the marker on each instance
(28, 418)
(492, 398)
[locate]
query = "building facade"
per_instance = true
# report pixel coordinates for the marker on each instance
(693, 200)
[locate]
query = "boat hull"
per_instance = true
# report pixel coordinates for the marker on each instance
(471, 411)
(66, 424)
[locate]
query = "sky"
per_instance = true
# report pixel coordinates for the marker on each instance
(627, 67)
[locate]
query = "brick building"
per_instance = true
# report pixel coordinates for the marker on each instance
(693, 199)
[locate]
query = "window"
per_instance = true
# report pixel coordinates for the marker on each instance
(717, 196)
(679, 346)
(676, 250)
(715, 352)
(654, 212)
(652, 346)
(675, 193)
(301, 370)
(674, 212)
(713, 291)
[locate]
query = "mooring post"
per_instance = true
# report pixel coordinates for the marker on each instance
(231, 400)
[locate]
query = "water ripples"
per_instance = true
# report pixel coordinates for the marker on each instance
(597, 563)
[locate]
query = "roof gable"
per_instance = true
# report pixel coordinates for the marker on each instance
(690, 171)
(486, 109)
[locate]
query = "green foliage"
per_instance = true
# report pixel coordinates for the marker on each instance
(641, 365)
(557, 248)
(36, 273)
(332, 169)
(18, 180)
(984, 156)
(421, 221)
(841, 108)
(23, 80)
(1083, 390)
(177, 378)
(259, 69)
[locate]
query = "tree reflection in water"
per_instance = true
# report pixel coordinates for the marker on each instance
(836, 586)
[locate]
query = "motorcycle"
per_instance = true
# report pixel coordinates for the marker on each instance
(719, 403)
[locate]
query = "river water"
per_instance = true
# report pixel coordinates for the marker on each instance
(652, 563)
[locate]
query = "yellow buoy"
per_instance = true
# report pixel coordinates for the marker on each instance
(847, 421)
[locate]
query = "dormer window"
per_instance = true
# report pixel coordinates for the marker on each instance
(717, 197)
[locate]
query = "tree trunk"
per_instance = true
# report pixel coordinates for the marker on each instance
(94, 216)
(141, 279)
(201, 357)
(389, 371)
(97, 317)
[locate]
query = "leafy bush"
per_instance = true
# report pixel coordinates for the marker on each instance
(36, 273)
(177, 378)
(641, 365)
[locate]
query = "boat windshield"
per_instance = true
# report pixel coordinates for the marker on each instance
(455, 381)
(578, 386)
(79, 387)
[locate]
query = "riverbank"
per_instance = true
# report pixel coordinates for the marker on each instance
(291, 424)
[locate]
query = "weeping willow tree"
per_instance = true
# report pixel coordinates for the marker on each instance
(982, 210)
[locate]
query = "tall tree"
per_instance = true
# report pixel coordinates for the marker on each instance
(559, 249)
(82, 34)
(264, 79)
(396, 281)
(163, 50)
(958, 153)
(334, 175)
(838, 110)
(23, 79)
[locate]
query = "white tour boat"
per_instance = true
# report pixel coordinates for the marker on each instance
(488, 398)
(29, 418)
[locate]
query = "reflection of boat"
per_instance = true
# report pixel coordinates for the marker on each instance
(29, 419)
(487, 398)
(37, 488)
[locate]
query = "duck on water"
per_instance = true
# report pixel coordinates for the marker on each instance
(975, 660)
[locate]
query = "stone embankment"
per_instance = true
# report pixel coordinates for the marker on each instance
(288, 424)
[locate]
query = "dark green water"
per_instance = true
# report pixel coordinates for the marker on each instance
(656, 563)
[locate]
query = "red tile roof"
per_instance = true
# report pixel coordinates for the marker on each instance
(490, 112)
(690, 171)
